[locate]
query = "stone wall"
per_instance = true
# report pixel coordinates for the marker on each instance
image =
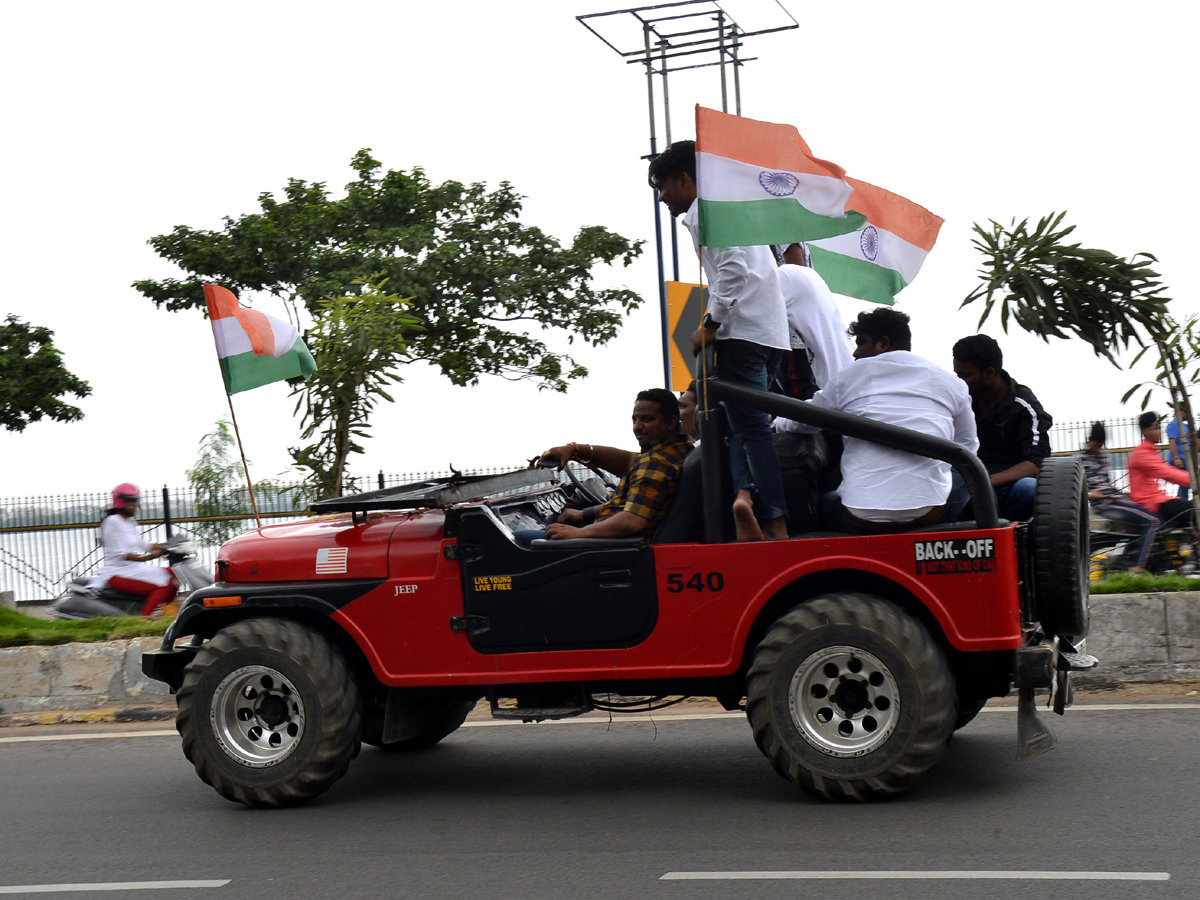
(77, 677)
(1143, 638)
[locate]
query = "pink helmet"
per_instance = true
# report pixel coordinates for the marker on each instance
(123, 493)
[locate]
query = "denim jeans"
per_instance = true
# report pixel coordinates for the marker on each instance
(753, 460)
(1015, 501)
(1137, 551)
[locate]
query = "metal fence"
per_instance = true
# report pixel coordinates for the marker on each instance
(1067, 437)
(47, 540)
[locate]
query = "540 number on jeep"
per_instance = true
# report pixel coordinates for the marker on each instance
(711, 581)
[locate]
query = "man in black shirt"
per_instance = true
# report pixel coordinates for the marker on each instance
(1014, 430)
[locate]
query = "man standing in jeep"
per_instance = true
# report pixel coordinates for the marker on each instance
(648, 478)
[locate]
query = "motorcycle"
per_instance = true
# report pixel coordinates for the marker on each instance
(79, 601)
(1173, 551)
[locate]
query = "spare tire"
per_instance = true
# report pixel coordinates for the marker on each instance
(1061, 548)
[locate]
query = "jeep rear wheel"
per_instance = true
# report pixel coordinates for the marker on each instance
(269, 713)
(850, 698)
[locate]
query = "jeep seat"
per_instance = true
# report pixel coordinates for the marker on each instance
(684, 521)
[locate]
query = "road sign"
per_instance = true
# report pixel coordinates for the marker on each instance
(685, 307)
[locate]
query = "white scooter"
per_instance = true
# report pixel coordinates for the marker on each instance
(79, 601)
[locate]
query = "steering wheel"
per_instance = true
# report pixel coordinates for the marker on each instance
(585, 486)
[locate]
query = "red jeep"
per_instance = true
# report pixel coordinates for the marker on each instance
(387, 617)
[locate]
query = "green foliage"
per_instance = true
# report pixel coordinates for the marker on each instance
(18, 629)
(358, 341)
(1054, 289)
(479, 281)
(1129, 583)
(220, 484)
(33, 377)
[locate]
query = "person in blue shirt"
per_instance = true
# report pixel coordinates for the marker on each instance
(1176, 448)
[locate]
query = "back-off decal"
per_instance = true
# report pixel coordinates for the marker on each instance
(957, 557)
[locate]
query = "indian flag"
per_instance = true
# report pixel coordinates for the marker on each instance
(758, 183)
(881, 259)
(254, 348)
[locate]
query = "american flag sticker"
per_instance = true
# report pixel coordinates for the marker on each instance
(332, 560)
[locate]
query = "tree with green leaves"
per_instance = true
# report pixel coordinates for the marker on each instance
(1052, 288)
(481, 283)
(358, 341)
(220, 485)
(33, 378)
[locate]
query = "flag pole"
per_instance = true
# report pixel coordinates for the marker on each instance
(245, 467)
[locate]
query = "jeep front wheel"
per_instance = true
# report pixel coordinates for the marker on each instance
(269, 713)
(850, 698)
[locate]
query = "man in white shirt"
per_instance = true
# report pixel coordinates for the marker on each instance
(747, 319)
(885, 490)
(815, 326)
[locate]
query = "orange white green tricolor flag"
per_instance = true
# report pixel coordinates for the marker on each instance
(882, 258)
(254, 348)
(758, 183)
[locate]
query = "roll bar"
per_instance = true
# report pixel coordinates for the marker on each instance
(983, 499)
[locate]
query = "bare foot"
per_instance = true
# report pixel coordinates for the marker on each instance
(776, 530)
(743, 519)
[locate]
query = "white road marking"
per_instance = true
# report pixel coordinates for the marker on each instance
(911, 875)
(96, 736)
(597, 720)
(1104, 707)
(617, 717)
(108, 886)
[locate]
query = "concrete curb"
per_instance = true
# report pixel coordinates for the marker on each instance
(73, 679)
(1142, 639)
(90, 716)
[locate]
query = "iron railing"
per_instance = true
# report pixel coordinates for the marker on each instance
(48, 539)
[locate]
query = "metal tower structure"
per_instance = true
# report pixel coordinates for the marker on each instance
(677, 36)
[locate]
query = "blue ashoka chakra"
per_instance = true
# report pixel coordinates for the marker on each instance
(869, 241)
(779, 184)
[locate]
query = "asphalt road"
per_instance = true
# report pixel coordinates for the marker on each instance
(589, 810)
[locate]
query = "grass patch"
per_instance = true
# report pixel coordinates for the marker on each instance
(1129, 583)
(18, 629)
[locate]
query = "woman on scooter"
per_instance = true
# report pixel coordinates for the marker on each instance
(126, 554)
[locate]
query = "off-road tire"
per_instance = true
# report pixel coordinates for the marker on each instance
(882, 655)
(434, 724)
(289, 682)
(1061, 537)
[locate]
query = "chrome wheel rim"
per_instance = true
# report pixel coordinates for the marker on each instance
(844, 701)
(257, 716)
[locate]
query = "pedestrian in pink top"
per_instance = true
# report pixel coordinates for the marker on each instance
(1147, 468)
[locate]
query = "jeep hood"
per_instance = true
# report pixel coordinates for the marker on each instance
(328, 548)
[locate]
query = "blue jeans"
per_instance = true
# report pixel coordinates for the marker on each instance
(833, 513)
(1015, 501)
(1137, 551)
(526, 536)
(753, 459)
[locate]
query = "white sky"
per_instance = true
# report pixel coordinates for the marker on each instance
(125, 119)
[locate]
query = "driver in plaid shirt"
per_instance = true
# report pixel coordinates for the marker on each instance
(648, 478)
